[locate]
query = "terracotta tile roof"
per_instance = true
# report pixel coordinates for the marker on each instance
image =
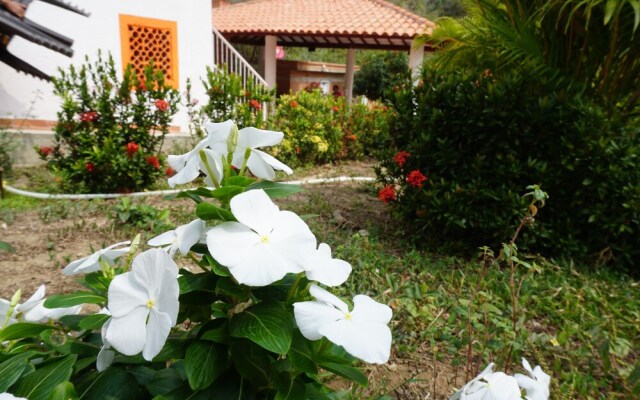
(324, 23)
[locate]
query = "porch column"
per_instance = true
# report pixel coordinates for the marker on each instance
(416, 56)
(351, 63)
(270, 43)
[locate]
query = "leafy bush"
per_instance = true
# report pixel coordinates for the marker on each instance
(110, 131)
(481, 140)
(228, 99)
(141, 216)
(7, 145)
(379, 73)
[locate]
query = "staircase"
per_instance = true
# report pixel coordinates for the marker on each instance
(225, 56)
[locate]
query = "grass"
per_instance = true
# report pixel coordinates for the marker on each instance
(453, 315)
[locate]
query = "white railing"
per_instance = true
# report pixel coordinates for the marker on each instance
(225, 56)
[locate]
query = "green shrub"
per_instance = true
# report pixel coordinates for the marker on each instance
(228, 99)
(110, 131)
(7, 145)
(481, 141)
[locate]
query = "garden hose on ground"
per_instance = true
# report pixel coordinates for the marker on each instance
(36, 195)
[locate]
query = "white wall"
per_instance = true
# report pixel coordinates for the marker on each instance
(22, 95)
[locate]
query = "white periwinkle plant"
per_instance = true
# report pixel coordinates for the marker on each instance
(239, 314)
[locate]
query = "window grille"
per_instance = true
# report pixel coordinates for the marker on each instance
(145, 39)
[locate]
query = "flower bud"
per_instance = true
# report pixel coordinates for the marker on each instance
(232, 140)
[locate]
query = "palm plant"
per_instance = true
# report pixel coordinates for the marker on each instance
(588, 46)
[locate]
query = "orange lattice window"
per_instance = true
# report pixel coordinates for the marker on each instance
(145, 39)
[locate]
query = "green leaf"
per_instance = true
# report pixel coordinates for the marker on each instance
(276, 190)
(172, 349)
(204, 362)
(190, 282)
(22, 330)
(268, 324)
(289, 389)
(346, 371)
(208, 211)
(11, 369)
(164, 381)
(243, 181)
(39, 384)
(73, 299)
(6, 247)
(91, 322)
(114, 383)
(216, 331)
(301, 355)
(226, 193)
(610, 8)
(252, 362)
(64, 391)
(230, 287)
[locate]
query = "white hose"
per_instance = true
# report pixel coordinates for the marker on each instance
(165, 192)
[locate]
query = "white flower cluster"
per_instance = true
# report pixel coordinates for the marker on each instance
(263, 246)
(491, 385)
(32, 310)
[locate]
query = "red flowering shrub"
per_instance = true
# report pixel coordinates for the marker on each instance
(387, 194)
(400, 158)
(415, 178)
(44, 151)
(169, 172)
(110, 127)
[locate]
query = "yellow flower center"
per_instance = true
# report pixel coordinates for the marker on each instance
(264, 239)
(347, 316)
(151, 303)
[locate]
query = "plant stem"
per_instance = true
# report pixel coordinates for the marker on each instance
(203, 157)
(247, 153)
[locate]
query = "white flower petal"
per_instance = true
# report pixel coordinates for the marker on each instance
(253, 137)
(367, 310)
(189, 234)
(230, 242)
(33, 300)
(312, 315)
(214, 159)
(255, 210)
(105, 359)
(163, 239)
(502, 386)
(263, 266)
(260, 167)
(217, 132)
(167, 301)
(128, 334)
(126, 294)
(274, 162)
(322, 295)
(189, 172)
(370, 342)
(326, 270)
(158, 330)
(147, 270)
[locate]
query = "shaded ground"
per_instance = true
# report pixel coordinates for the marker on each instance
(48, 237)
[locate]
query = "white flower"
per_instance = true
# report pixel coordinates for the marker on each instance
(9, 396)
(189, 165)
(33, 310)
(265, 244)
(489, 385)
(4, 310)
(144, 305)
(91, 264)
(362, 332)
(106, 355)
(182, 238)
(326, 270)
(536, 384)
(259, 163)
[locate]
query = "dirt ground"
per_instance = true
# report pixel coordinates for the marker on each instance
(48, 238)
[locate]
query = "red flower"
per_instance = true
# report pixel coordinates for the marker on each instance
(45, 151)
(162, 105)
(352, 137)
(170, 172)
(142, 86)
(255, 104)
(153, 161)
(132, 148)
(415, 178)
(401, 157)
(298, 150)
(385, 108)
(89, 116)
(89, 167)
(293, 104)
(336, 109)
(387, 194)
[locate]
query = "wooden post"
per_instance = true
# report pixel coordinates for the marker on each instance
(351, 64)
(416, 56)
(270, 43)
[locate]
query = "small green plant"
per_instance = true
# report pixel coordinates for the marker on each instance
(110, 130)
(7, 145)
(141, 216)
